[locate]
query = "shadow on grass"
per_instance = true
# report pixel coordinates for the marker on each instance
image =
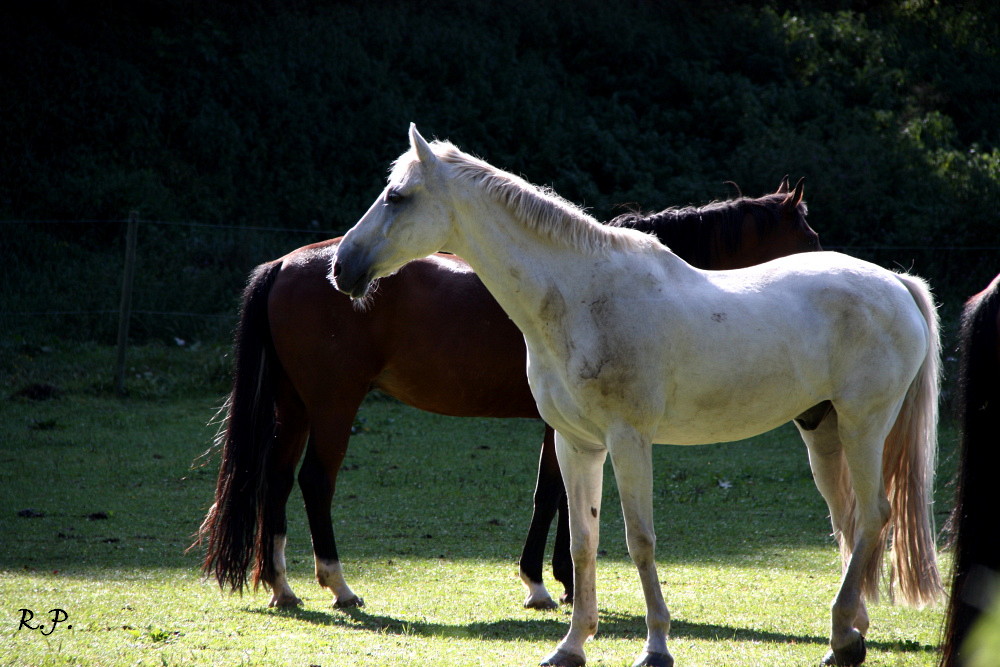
(613, 624)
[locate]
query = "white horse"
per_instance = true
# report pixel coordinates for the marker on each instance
(628, 345)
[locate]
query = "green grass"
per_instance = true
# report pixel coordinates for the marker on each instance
(430, 513)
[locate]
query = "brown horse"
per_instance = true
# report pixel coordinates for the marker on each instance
(432, 337)
(975, 541)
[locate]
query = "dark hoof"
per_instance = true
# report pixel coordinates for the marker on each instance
(285, 602)
(563, 659)
(348, 603)
(848, 656)
(566, 598)
(655, 660)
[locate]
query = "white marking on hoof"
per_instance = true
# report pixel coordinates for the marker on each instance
(330, 575)
(538, 595)
(283, 596)
(284, 599)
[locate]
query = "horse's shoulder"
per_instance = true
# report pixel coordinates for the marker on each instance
(310, 257)
(448, 262)
(438, 268)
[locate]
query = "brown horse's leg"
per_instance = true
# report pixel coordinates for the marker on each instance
(550, 497)
(290, 439)
(318, 481)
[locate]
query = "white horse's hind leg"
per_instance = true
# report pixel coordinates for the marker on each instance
(582, 466)
(833, 479)
(631, 456)
(863, 450)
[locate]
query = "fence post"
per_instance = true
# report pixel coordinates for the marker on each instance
(125, 309)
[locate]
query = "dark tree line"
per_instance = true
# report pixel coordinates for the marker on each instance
(288, 113)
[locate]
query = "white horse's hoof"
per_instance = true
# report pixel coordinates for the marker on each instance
(653, 659)
(848, 656)
(562, 658)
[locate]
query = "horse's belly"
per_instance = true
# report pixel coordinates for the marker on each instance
(722, 398)
(710, 428)
(680, 424)
(705, 408)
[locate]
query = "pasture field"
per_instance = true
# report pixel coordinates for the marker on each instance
(99, 497)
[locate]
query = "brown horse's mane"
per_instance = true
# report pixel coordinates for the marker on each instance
(682, 229)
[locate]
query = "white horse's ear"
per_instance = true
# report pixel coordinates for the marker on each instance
(420, 145)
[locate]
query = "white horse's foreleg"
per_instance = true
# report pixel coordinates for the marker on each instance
(631, 456)
(864, 459)
(582, 466)
(281, 593)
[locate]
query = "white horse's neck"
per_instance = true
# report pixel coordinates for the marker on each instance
(516, 263)
(528, 266)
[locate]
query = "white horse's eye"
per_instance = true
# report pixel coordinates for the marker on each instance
(393, 197)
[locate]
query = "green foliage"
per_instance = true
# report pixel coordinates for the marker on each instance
(156, 371)
(288, 114)
(64, 281)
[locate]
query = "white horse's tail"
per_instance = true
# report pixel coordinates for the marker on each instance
(908, 464)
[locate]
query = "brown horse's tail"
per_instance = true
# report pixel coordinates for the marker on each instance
(972, 524)
(234, 528)
(908, 469)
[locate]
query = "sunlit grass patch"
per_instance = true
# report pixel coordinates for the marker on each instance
(430, 513)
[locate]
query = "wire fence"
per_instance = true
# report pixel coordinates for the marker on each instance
(129, 281)
(71, 279)
(185, 259)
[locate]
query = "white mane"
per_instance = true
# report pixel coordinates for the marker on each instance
(539, 208)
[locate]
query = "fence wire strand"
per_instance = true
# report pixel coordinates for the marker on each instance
(865, 250)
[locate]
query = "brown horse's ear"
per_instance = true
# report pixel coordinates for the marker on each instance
(793, 199)
(783, 186)
(420, 145)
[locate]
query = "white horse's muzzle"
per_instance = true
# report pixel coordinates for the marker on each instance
(351, 274)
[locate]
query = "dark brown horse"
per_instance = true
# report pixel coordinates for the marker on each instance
(432, 337)
(973, 522)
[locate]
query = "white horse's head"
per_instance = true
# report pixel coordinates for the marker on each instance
(410, 219)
